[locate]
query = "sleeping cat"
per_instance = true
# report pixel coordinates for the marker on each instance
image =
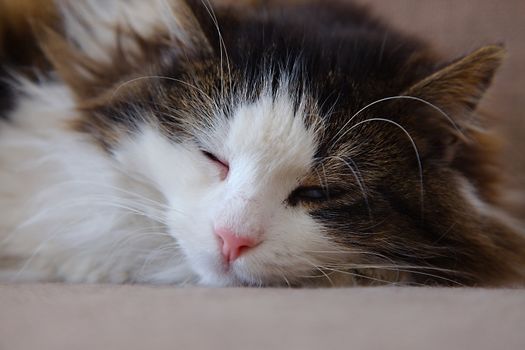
(270, 143)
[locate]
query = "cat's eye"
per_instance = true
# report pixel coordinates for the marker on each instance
(223, 166)
(308, 194)
(211, 156)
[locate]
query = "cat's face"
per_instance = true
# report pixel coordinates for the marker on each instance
(289, 157)
(235, 207)
(268, 194)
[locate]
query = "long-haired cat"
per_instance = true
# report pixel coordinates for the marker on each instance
(268, 143)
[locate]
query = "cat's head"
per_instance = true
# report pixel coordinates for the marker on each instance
(337, 153)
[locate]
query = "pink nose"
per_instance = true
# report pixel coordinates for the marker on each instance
(232, 245)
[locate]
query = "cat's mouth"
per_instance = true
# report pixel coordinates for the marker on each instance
(240, 273)
(250, 272)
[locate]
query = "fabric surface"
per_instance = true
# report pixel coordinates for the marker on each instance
(135, 317)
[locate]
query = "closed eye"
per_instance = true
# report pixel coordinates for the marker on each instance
(310, 194)
(224, 167)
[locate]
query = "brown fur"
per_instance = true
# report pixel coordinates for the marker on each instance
(18, 44)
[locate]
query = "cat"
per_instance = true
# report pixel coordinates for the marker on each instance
(261, 143)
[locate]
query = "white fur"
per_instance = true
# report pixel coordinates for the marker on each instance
(72, 212)
(66, 208)
(486, 210)
(146, 213)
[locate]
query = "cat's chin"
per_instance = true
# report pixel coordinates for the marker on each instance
(222, 276)
(237, 274)
(232, 280)
(227, 279)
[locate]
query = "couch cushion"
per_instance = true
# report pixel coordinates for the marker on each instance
(58, 317)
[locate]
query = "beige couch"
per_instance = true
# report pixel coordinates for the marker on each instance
(135, 317)
(55, 317)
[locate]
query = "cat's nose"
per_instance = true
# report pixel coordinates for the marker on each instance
(232, 245)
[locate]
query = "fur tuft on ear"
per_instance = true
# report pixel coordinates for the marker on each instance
(462, 83)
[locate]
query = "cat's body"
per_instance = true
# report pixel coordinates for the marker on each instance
(299, 143)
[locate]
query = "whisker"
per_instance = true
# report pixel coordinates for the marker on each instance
(222, 48)
(168, 248)
(342, 130)
(359, 181)
(321, 270)
(355, 274)
(414, 146)
(133, 237)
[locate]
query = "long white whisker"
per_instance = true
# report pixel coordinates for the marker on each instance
(222, 47)
(414, 146)
(358, 180)
(321, 270)
(342, 130)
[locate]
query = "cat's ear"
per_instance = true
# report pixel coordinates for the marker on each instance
(101, 43)
(446, 121)
(461, 84)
